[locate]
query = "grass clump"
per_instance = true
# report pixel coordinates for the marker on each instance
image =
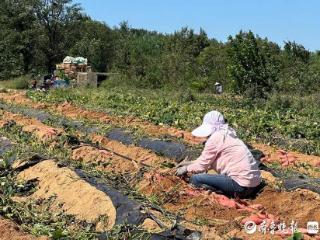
(21, 82)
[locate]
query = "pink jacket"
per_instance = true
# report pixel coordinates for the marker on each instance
(228, 155)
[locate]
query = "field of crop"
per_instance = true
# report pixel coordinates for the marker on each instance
(99, 164)
(289, 122)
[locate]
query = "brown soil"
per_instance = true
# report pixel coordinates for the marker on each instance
(11, 231)
(109, 161)
(208, 232)
(75, 112)
(31, 125)
(300, 205)
(19, 97)
(138, 154)
(256, 236)
(174, 195)
(72, 195)
(151, 226)
(201, 207)
(106, 161)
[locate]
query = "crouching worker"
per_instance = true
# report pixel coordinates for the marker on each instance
(238, 172)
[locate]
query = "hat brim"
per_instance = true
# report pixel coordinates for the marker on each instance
(204, 130)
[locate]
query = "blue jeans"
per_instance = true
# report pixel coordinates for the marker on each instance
(221, 184)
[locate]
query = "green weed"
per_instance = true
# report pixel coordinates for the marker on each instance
(21, 82)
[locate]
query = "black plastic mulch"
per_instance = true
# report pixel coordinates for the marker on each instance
(43, 117)
(292, 180)
(173, 150)
(167, 148)
(5, 145)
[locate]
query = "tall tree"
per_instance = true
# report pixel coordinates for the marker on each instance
(212, 63)
(296, 52)
(95, 42)
(252, 67)
(295, 74)
(56, 17)
(18, 37)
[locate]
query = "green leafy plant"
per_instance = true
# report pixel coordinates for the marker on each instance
(296, 236)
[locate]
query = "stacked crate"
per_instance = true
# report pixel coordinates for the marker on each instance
(71, 69)
(78, 71)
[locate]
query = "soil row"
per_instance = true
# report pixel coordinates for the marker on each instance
(74, 112)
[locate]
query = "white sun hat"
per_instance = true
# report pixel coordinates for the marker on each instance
(212, 122)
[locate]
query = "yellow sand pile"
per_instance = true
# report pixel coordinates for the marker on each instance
(140, 155)
(73, 195)
(107, 161)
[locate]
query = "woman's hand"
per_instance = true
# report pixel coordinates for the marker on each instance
(181, 171)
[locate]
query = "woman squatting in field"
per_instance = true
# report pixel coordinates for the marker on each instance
(238, 172)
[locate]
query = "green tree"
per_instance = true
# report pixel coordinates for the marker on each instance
(57, 19)
(295, 73)
(18, 37)
(253, 68)
(212, 64)
(296, 52)
(95, 42)
(139, 55)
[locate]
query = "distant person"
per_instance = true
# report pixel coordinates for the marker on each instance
(218, 88)
(46, 82)
(238, 172)
(52, 80)
(34, 84)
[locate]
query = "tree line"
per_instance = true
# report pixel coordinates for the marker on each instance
(37, 34)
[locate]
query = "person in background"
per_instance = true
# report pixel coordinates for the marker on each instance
(237, 175)
(218, 88)
(52, 80)
(46, 82)
(34, 83)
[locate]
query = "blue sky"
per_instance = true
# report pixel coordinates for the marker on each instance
(279, 20)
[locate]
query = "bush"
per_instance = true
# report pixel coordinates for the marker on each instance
(278, 101)
(253, 66)
(198, 85)
(21, 82)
